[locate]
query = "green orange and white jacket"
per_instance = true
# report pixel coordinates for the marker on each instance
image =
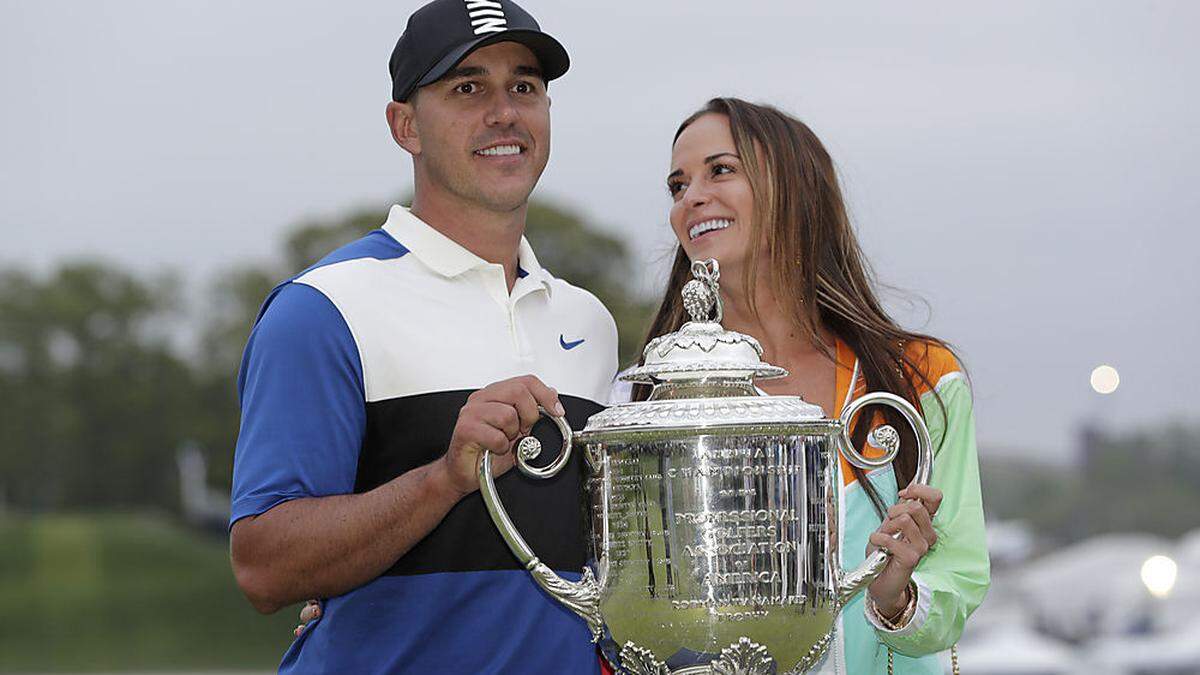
(951, 579)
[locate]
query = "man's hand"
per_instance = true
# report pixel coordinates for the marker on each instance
(491, 421)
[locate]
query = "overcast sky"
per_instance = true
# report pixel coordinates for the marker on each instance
(1028, 168)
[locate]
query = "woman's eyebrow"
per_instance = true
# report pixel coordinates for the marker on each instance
(707, 160)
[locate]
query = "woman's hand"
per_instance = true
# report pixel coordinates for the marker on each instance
(311, 612)
(912, 518)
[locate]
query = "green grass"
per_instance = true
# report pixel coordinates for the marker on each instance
(125, 592)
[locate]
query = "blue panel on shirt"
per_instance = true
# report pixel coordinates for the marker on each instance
(303, 410)
(377, 244)
(455, 622)
(301, 390)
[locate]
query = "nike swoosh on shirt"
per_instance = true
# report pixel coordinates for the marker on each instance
(562, 340)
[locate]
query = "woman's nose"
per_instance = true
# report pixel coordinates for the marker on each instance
(696, 195)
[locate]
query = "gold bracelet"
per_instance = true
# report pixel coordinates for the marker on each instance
(901, 619)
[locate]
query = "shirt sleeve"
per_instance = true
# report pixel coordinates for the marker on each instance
(954, 576)
(302, 403)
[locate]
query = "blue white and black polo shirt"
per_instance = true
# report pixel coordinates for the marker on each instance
(355, 373)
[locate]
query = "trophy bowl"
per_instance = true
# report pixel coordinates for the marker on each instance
(712, 509)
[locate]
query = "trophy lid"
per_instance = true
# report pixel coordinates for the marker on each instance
(703, 375)
(702, 348)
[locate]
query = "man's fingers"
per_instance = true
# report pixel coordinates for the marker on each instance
(515, 390)
(495, 441)
(527, 410)
(500, 416)
(502, 463)
(485, 436)
(311, 611)
(545, 396)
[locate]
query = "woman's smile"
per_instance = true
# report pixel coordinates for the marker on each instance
(707, 226)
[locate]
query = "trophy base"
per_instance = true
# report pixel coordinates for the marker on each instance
(744, 657)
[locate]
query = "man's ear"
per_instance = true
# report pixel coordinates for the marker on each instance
(402, 120)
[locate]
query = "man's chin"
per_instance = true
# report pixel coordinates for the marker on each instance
(505, 202)
(501, 197)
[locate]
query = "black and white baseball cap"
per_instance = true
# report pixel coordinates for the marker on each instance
(444, 32)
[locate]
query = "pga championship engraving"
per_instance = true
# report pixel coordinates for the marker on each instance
(712, 509)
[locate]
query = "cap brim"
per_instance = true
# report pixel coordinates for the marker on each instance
(549, 52)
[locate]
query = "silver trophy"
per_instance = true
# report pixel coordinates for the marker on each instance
(713, 509)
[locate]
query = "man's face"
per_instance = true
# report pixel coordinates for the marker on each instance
(484, 129)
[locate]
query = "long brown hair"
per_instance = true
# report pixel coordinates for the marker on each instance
(815, 266)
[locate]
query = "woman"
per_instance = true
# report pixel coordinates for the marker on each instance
(756, 190)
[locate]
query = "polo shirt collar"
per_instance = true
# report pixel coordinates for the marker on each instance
(446, 256)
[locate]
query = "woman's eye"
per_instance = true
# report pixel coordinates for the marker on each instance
(674, 189)
(721, 169)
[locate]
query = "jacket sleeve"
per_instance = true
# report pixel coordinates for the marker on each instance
(953, 577)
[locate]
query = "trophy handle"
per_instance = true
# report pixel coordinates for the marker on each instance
(850, 583)
(581, 597)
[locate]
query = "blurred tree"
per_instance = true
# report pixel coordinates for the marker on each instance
(95, 397)
(235, 301)
(312, 240)
(1145, 480)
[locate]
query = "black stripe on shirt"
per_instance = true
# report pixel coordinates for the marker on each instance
(411, 431)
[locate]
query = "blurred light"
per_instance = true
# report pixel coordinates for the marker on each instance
(1158, 573)
(1105, 379)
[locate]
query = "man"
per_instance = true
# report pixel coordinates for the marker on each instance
(364, 410)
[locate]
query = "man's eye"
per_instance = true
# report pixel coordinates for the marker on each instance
(674, 189)
(523, 88)
(466, 88)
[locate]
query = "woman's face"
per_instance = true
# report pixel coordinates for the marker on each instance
(713, 203)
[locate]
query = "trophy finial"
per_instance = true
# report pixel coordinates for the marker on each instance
(702, 293)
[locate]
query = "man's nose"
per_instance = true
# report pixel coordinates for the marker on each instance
(501, 111)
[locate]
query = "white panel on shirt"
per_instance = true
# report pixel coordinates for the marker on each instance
(419, 332)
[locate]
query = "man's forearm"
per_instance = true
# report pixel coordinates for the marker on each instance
(325, 546)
